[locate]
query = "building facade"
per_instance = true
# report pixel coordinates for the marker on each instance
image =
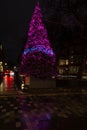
(73, 63)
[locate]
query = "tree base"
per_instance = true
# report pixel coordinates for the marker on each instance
(42, 83)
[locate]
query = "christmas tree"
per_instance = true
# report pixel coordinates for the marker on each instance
(38, 58)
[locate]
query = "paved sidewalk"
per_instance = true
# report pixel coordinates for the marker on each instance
(61, 112)
(45, 91)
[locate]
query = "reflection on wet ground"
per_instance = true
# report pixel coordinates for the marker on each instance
(7, 83)
(22, 111)
(43, 113)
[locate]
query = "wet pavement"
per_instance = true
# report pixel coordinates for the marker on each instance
(42, 111)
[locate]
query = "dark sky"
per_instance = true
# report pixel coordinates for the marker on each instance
(65, 20)
(14, 21)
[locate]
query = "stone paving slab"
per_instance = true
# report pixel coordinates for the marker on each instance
(61, 112)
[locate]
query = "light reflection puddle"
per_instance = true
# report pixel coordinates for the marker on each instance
(34, 119)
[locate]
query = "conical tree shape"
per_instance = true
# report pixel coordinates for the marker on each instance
(38, 58)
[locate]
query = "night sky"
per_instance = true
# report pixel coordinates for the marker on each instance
(67, 19)
(14, 22)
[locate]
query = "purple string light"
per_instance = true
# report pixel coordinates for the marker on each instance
(38, 58)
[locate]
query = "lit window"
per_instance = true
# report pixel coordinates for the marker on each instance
(0, 63)
(67, 62)
(61, 71)
(62, 62)
(86, 62)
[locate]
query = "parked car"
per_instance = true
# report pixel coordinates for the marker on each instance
(8, 73)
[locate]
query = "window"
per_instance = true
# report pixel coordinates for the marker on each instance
(63, 62)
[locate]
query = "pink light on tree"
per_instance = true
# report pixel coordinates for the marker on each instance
(38, 58)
